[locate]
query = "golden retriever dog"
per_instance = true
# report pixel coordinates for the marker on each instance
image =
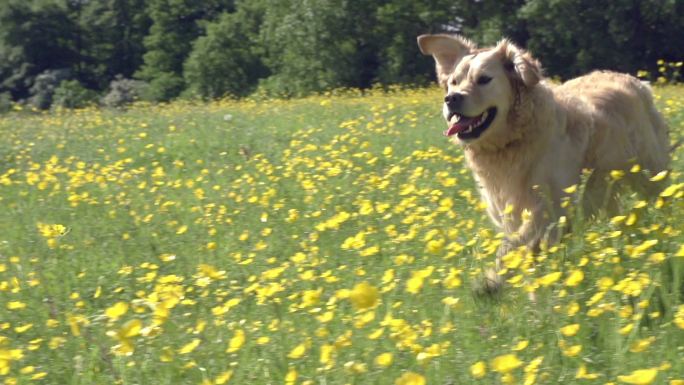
(527, 140)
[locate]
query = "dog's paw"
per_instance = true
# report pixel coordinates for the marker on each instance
(489, 285)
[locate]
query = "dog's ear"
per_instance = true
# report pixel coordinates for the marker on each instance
(520, 64)
(447, 50)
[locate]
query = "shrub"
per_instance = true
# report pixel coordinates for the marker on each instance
(5, 102)
(123, 91)
(164, 87)
(44, 87)
(72, 94)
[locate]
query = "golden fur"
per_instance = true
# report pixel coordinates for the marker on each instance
(544, 135)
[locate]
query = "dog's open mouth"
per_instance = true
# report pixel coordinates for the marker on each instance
(470, 127)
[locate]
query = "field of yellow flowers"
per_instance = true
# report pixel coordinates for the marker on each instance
(336, 239)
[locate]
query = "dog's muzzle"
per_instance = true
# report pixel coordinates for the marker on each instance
(469, 127)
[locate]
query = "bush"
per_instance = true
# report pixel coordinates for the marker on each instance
(5, 102)
(72, 94)
(44, 87)
(123, 91)
(164, 87)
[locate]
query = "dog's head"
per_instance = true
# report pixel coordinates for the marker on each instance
(482, 85)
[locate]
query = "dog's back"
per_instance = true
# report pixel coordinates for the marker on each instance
(627, 128)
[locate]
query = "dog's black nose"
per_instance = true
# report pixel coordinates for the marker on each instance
(454, 100)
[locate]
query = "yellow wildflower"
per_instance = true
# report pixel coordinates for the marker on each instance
(570, 330)
(364, 296)
(549, 279)
(521, 345)
(125, 336)
(641, 345)
(190, 346)
(223, 377)
(478, 369)
(298, 351)
(410, 378)
(575, 277)
(384, 359)
(640, 377)
(236, 342)
(117, 310)
(505, 363)
(583, 374)
(572, 351)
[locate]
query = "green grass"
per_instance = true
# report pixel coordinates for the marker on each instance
(189, 226)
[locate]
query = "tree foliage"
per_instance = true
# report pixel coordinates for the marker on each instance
(175, 25)
(213, 48)
(227, 61)
(112, 42)
(624, 35)
(310, 45)
(33, 40)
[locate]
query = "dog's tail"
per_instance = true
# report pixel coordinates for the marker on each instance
(676, 145)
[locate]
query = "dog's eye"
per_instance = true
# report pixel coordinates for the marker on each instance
(482, 80)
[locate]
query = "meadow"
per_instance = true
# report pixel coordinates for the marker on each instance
(335, 239)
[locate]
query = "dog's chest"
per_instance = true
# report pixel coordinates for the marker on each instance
(502, 181)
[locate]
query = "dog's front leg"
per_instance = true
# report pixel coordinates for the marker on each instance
(529, 234)
(531, 231)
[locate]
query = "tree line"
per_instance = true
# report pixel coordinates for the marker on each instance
(73, 52)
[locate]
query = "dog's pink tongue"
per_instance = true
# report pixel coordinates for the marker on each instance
(459, 126)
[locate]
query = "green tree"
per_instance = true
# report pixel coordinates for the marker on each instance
(294, 47)
(112, 43)
(624, 35)
(227, 60)
(313, 45)
(175, 25)
(398, 23)
(93, 40)
(34, 37)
